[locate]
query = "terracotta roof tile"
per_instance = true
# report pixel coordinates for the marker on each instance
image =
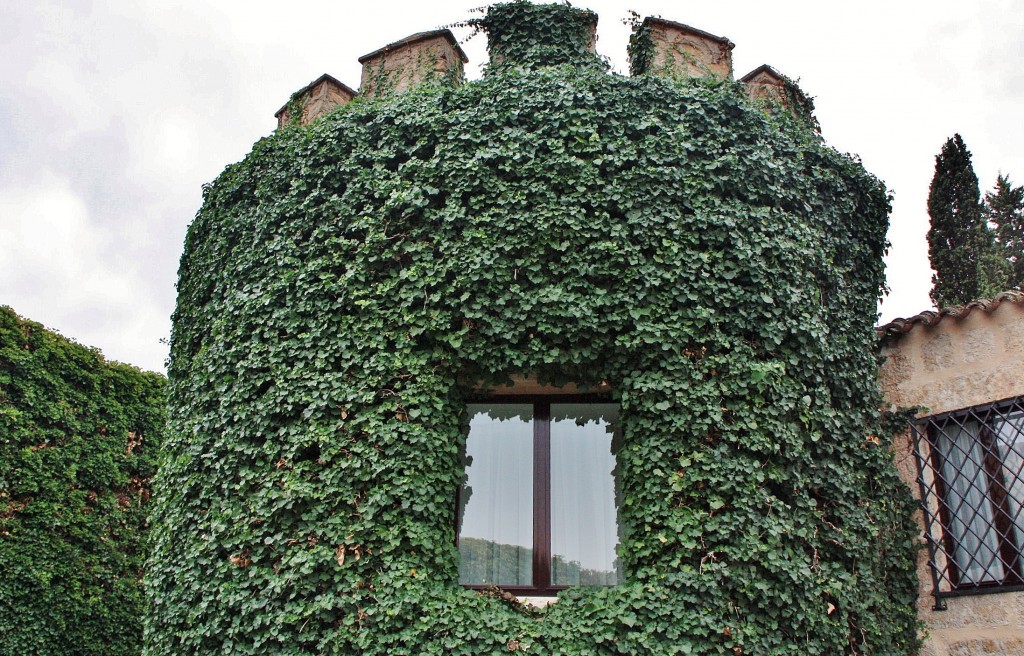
(898, 327)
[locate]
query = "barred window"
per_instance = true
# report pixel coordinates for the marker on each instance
(971, 475)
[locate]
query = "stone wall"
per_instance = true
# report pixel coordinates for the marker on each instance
(958, 362)
(765, 83)
(405, 64)
(316, 99)
(684, 51)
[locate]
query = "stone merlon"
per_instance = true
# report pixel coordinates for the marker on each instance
(765, 83)
(316, 99)
(683, 51)
(405, 64)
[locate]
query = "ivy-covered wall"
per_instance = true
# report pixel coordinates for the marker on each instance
(348, 284)
(79, 440)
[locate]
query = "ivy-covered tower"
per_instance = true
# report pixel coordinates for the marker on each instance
(697, 257)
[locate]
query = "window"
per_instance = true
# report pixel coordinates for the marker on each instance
(537, 509)
(971, 475)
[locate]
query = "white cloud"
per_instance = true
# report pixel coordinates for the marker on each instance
(112, 115)
(63, 269)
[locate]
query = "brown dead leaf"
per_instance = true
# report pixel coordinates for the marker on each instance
(241, 559)
(134, 441)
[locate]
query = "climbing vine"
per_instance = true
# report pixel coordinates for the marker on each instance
(79, 439)
(525, 35)
(347, 285)
(640, 49)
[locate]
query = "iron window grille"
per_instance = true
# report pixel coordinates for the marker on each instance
(970, 467)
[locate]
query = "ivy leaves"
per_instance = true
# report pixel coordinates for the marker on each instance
(79, 440)
(347, 285)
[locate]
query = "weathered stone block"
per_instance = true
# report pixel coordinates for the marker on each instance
(403, 65)
(939, 352)
(766, 83)
(973, 647)
(896, 368)
(1013, 335)
(315, 99)
(986, 611)
(978, 344)
(678, 50)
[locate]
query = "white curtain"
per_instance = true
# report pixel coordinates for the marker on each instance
(584, 530)
(1009, 432)
(971, 521)
(496, 527)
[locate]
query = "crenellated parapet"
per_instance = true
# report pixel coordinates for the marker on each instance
(314, 100)
(670, 49)
(658, 47)
(767, 85)
(403, 65)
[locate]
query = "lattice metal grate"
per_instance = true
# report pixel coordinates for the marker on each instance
(970, 467)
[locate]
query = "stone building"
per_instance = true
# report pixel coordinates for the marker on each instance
(963, 370)
(353, 479)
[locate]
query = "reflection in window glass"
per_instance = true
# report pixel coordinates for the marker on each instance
(496, 526)
(1009, 431)
(584, 530)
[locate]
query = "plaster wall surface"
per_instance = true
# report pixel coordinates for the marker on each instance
(954, 364)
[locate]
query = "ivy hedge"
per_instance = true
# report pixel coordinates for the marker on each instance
(79, 441)
(348, 284)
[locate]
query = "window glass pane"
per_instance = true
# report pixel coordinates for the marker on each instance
(496, 525)
(1009, 430)
(584, 530)
(971, 520)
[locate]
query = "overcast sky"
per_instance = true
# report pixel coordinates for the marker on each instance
(114, 113)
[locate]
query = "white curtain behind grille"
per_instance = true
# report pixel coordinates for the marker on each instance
(1009, 432)
(971, 521)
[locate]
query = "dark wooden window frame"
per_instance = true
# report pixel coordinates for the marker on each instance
(541, 565)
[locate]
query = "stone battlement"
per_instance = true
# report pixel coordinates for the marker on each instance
(664, 48)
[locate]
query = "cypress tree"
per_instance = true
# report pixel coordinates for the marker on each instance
(960, 245)
(1004, 209)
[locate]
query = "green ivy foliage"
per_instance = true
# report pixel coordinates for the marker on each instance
(347, 286)
(640, 50)
(524, 35)
(79, 439)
